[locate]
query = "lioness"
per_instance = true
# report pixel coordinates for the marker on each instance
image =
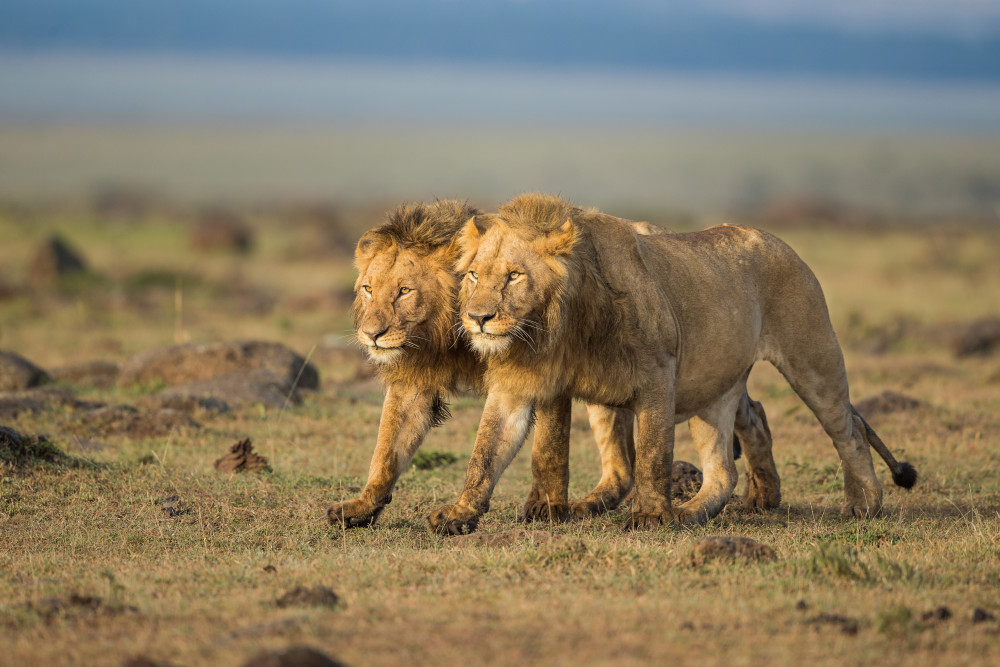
(405, 316)
(666, 324)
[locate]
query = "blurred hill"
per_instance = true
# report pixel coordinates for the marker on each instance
(922, 40)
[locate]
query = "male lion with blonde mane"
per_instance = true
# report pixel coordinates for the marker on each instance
(668, 325)
(405, 314)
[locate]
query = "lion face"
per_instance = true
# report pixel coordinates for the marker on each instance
(508, 282)
(403, 299)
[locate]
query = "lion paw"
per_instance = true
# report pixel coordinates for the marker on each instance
(453, 520)
(585, 509)
(648, 520)
(760, 496)
(540, 510)
(860, 510)
(355, 513)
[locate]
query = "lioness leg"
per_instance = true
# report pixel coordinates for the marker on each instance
(502, 430)
(548, 498)
(613, 429)
(712, 432)
(763, 489)
(407, 415)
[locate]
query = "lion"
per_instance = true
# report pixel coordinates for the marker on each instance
(668, 325)
(405, 316)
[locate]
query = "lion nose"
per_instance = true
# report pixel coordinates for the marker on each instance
(373, 334)
(481, 319)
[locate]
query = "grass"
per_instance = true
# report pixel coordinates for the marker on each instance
(188, 563)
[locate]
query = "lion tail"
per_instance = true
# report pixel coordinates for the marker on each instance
(903, 473)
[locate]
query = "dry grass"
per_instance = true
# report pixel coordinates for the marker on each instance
(187, 581)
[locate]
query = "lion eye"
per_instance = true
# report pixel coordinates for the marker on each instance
(473, 276)
(367, 288)
(514, 275)
(405, 290)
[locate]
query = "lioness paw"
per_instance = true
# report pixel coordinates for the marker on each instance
(648, 520)
(453, 520)
(585, 509)
(353, 514)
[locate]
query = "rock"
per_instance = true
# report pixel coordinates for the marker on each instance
(239, 389)
(343, 364)
(16, 372)
(217, 229)
(295, 656)
(20, 451)
(199, 361)
(97, 374)
(176, 399)
(981, 337)
(241, 458)
(685, 481)
(885, 403)
(317, 596)
(730, 547)
(129, 421)
(52, 260)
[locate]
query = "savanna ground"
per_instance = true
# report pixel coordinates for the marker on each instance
(188, 563)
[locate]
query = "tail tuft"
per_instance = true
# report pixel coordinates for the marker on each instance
(906, 476)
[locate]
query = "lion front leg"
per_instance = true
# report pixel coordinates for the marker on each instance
(502, 430)
(548, 498)
(654, 455)
(407, 415)
(613, 431)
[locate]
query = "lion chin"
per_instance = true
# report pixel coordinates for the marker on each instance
(486, 344)
(384, 355)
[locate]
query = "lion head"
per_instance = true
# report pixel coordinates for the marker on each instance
(514, 266)
(405, 292)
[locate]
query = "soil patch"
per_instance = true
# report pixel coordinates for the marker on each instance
(241, 458)
(886, 403)
(730, 547)
(200, 361)
(295, 656)
(16, 372)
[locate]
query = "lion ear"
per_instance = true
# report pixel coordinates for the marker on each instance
(369, 243)
(560, 241)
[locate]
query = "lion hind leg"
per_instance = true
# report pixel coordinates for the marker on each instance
(613, 430)
(712, 432)
(763, 489)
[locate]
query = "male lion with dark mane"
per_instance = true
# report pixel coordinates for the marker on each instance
(668, 325)
(405, 314)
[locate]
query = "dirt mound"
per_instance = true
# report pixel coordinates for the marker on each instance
(730, 547)
(97, 374)
(294, 656)
(237, 389)
(300, 596)
(200, 361)
(16, 372)
(218, 229)
(54, 259)
(685, 481)
(131, 422)
(886, 403)
(980, 337)
(506, 538)
(39, 399)
(19, 451)
(241, 458)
